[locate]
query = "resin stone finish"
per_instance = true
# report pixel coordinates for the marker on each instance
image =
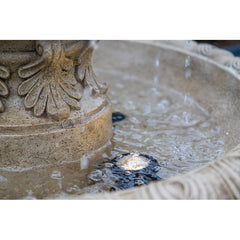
(52, 108)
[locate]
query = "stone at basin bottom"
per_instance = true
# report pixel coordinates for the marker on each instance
(66, 142)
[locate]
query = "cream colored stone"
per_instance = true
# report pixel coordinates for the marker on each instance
(53, 108)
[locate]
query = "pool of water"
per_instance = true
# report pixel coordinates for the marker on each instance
(161, 122)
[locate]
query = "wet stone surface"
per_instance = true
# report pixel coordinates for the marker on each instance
(113, 177)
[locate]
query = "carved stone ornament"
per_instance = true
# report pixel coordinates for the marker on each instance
(55, 81)
(4, 74)
(55, 111)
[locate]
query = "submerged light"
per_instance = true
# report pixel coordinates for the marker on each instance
(133, 162)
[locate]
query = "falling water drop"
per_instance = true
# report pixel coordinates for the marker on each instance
(84, 162)
(155, 80)
(188, 73)
(157, 62)
(187, 61)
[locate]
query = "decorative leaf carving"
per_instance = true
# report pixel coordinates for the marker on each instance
(85, 73)
(4, 92)
(50, 84)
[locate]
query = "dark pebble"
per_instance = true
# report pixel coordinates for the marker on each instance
(156, 168)
(117, 116)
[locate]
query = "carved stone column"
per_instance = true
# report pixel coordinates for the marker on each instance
(52, 108)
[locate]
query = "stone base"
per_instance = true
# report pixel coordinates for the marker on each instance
(31, 141)
(27, 146)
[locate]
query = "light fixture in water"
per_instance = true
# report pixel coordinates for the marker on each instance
(134, 169)
(127, 170)
(133, 162)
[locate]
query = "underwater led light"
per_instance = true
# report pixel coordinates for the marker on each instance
(133, 162)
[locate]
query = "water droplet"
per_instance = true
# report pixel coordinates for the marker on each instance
(186, 117)
(56, 175)
(72, 189)
(155, 80)
(157, 62)
(84, 162)
(187, 61)
(96, 176)
(188, 73)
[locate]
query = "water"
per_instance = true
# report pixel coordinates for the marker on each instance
(161, 122)
(166, 124)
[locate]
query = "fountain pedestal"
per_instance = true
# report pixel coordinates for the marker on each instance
(53, 110)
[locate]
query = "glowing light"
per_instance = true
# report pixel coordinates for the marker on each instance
(133, 162)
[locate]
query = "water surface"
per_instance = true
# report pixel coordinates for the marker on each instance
(161, 122)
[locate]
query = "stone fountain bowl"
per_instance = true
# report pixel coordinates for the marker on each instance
(214, 84)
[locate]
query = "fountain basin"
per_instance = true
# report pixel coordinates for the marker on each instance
(181, 102)
(208, 75)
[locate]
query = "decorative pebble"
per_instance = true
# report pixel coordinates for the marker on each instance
(139, 182)
(127, 173)
(117, 116)
(108, 165)
(156, 168)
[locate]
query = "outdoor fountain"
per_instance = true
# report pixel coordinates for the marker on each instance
(180, 98)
